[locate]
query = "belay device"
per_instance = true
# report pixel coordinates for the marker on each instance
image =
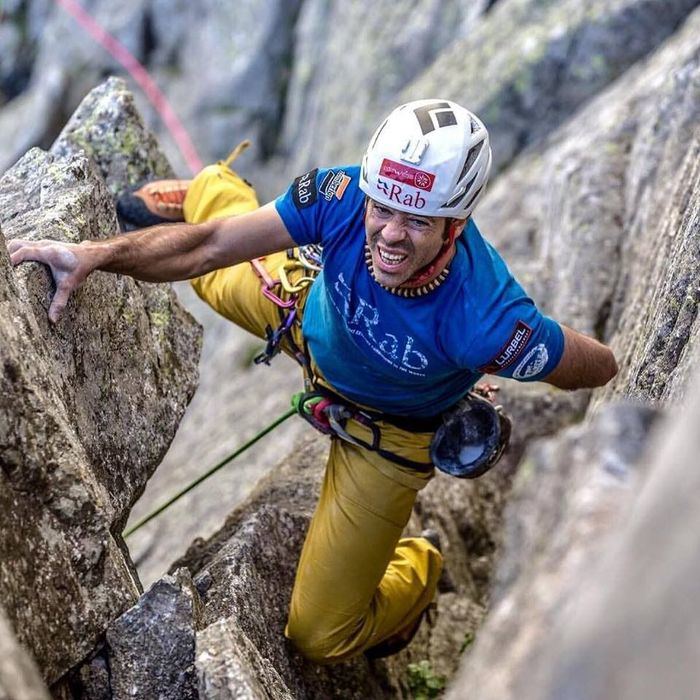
(471, 439)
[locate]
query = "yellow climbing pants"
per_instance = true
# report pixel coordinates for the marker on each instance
(358, 583)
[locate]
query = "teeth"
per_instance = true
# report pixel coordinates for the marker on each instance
(391, 259)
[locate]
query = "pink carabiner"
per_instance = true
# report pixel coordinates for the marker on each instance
(275, 299)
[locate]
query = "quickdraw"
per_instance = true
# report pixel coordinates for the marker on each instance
(307, 259)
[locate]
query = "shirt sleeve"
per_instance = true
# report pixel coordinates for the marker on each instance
(318, 203)
(510, 336)
(522, 344)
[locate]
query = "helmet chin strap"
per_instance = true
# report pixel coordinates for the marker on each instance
(439, 262)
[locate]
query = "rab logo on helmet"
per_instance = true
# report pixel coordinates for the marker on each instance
(407, 175)
(395, 193)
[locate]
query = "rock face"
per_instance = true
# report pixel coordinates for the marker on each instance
(377, 58)
(528, 65)
(150, 648)
(19, 675)
(608, 204)
(238, 94)
(631, 274)
(600, 222)
(567, 495)
(633, 634)
(87, 409)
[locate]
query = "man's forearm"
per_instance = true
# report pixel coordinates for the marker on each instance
(586, 363)
(157, 254)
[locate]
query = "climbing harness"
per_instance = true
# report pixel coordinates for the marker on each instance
(471, 439)
(330, 416)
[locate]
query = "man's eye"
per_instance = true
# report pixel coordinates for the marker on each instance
(382, 211)
(418, 223)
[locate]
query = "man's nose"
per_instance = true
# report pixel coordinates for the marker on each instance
(394, 231)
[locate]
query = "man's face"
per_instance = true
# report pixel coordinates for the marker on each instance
(401, 243)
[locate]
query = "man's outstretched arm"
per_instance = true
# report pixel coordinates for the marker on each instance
(586, 363)
(158, 254)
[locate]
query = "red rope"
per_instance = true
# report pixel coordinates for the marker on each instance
(140, 75)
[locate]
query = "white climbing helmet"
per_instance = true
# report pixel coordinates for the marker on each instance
(429, 157)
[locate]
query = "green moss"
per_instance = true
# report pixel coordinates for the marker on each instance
(160, 318)
(469, 638)
(423, 683)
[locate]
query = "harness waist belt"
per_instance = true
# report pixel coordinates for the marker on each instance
(412, 424)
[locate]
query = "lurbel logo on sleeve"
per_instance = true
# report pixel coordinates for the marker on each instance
(420, 179)
(304, 190)
(510, 352)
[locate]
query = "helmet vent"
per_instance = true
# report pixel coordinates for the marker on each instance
(460, 193)
(471, 157)
(473, 199)
(475, 126)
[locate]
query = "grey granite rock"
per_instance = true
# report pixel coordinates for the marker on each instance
(109, 129)
(529, 64)
(87, 409)
(568, 496)
(632, 632)
(151, 647)
(226, 81)
(19, 675)
(379, 48)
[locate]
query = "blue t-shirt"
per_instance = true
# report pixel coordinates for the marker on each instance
(409, 356)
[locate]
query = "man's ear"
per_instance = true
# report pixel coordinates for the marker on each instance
(454, 229)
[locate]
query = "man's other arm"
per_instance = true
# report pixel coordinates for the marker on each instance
(159, 254)
(586, 363)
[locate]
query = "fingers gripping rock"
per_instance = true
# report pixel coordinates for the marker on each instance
(63, 263)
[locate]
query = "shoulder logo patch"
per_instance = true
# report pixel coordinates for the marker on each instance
(334, 185)
(533, 363)
(509, 353)
(304, 191)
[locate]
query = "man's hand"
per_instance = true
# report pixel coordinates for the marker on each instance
(70, 264)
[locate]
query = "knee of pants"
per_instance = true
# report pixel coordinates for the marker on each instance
(310, 641)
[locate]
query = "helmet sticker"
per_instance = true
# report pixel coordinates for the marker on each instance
(533, 363)
(428, 115)
(510, 352)
(304, 190)
(334, 185)
(420, 179)
(395, 193)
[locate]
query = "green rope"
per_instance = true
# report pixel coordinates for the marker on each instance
(207, 474)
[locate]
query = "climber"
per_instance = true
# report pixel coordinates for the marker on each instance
(412, 306)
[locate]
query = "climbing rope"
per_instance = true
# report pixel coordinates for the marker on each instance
(141, 77)
(211, 471)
